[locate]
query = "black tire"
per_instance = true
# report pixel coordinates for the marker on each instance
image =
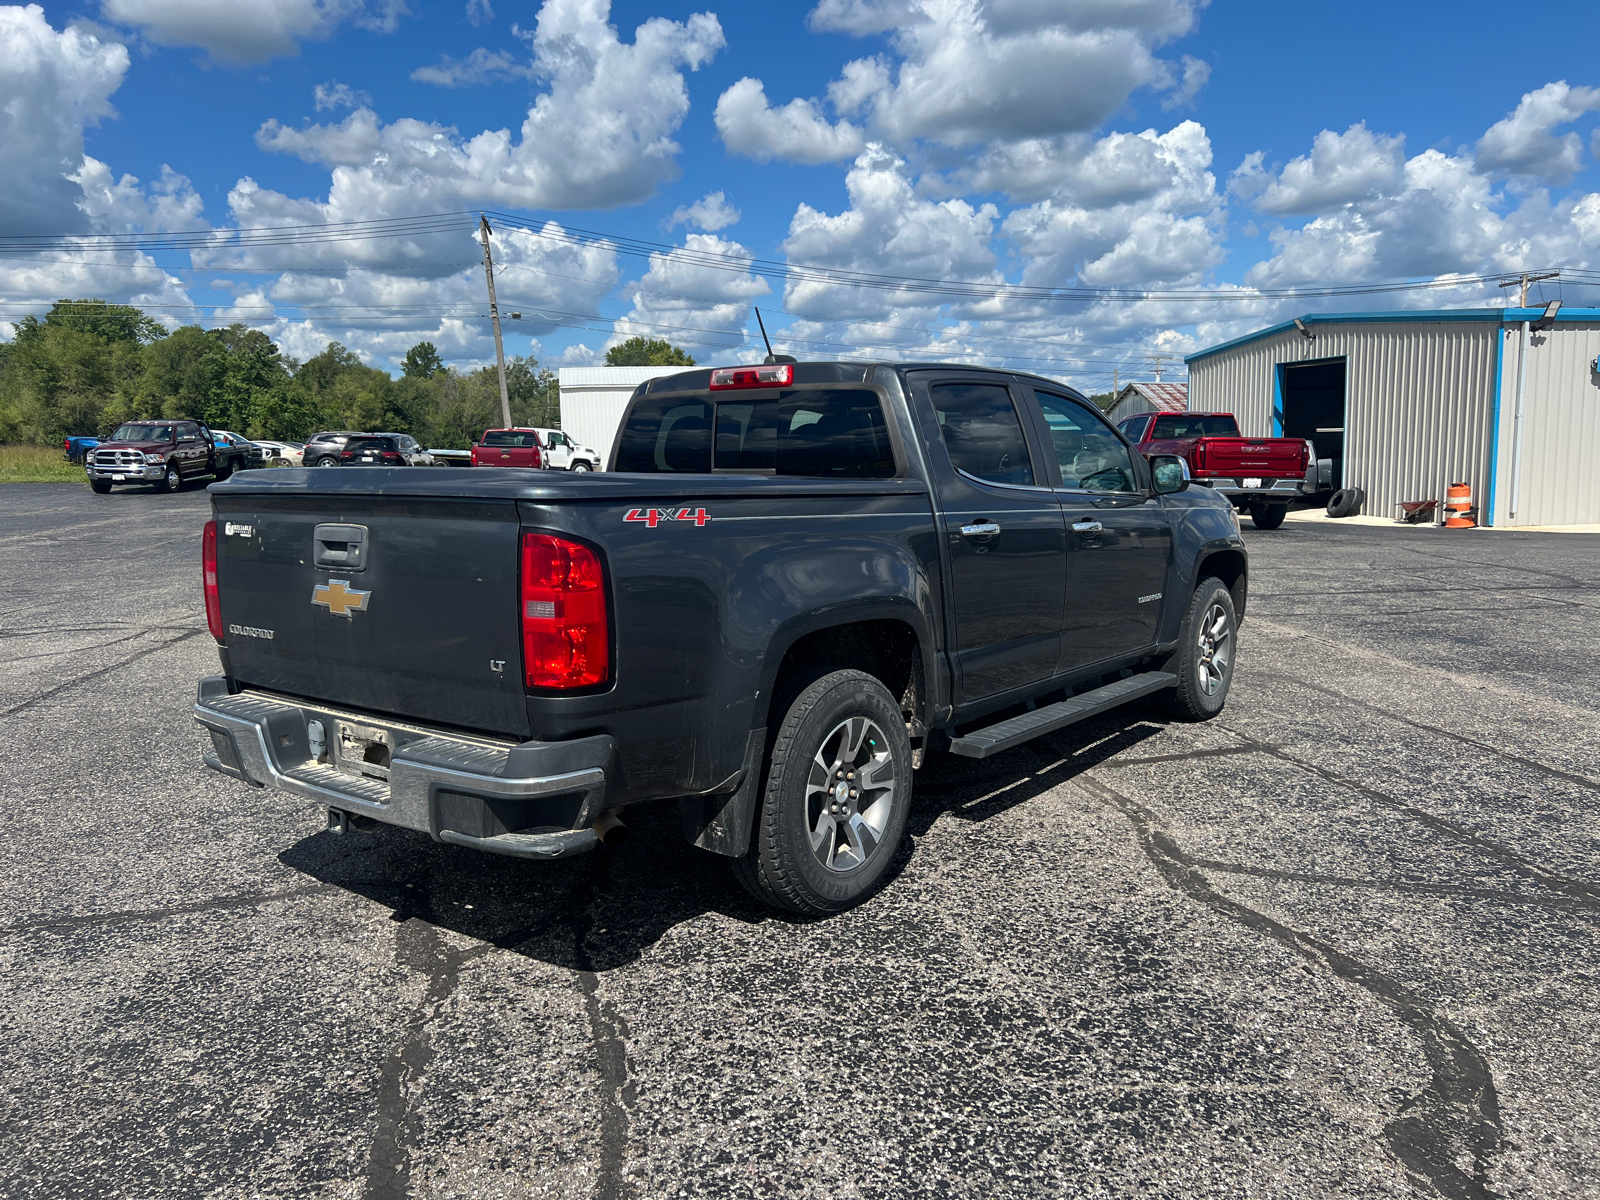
(1268, 516)
(1361, 499)
(171, 481)
(802, 798)
(101, 487)
(1344, 503)
(325, 461)
(580, 466)
(1202, 688)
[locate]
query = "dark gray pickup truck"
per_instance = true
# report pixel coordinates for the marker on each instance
(792, 582)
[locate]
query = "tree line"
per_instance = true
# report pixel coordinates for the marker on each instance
(88, 366)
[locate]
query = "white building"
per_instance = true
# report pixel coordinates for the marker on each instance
(1407, 403)
(593, 400)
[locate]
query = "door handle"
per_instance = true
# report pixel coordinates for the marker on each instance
(981, 529)
(1086, 526)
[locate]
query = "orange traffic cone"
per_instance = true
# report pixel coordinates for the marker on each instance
(1458, 508)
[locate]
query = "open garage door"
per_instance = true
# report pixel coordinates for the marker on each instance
(1313, 408)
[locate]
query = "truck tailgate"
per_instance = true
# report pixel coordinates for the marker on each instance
(420, 623)
(1275, 458)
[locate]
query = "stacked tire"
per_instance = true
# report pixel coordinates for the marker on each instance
(1346, 502)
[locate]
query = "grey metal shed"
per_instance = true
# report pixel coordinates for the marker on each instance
(1407, 403)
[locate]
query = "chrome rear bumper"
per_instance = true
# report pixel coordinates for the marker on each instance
(529, 799)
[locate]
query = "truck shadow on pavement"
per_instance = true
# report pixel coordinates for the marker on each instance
(602, 910)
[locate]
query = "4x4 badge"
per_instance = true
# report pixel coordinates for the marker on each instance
(654, 516)
(339, 598)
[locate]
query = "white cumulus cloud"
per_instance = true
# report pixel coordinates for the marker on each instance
(240, 32)
(711, 212)
(51, 86)
(1341, 169)
(1524, 141)
(599, 136)
(691, 303)
(797, 132)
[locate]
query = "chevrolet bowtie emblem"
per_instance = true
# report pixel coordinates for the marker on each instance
(339, 598)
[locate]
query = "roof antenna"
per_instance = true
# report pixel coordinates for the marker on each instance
(771, 357)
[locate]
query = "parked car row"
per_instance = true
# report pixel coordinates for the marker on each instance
(166, 453)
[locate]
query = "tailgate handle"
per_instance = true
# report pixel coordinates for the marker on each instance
(340, 547)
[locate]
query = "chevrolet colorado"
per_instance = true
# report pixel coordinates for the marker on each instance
(792, 582)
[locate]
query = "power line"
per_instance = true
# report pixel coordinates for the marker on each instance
(251, 237)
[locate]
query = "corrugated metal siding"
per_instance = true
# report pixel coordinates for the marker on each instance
(1561, 427)
(593, 400)
(1417, 401)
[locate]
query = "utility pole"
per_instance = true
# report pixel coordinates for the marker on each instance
(1522, 283)
(1522, 389)
(494, 317)
(1159, 361)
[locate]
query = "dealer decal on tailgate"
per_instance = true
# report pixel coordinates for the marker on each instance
(653, 516)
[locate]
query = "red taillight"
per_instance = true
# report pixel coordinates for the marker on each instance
(1197, 459)
(768, 375)
(565, 641)
(208, 579)
(538, 459)
(391, 456)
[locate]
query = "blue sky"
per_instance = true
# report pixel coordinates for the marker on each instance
(1157, 146)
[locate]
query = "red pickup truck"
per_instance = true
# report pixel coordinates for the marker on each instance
(507, 448)
(1259, 475)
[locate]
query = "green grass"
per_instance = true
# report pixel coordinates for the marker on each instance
(38, 464)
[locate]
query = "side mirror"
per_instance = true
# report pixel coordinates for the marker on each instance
(1169, 473)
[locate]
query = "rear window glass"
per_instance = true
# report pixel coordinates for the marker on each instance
(836, 433)
(510, 437)
(370, 443)
(1195, 426)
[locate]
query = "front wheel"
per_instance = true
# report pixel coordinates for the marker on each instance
(838, 789)
(171, 481)
(101, 487)
(580, 466)
(1268, 516)
(1204, 659)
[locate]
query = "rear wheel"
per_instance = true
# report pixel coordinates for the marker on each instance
(837, 792)
(1204, 659)
(101, 487)
(224, 469)
(1268, 516)
(327, 462)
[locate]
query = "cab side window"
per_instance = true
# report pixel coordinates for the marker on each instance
(1092, 458)
(188, 433)
(982, 431)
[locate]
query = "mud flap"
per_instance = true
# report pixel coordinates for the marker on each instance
(721, 823)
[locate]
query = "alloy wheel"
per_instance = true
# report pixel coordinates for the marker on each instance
(850, 795)
(1216, 650)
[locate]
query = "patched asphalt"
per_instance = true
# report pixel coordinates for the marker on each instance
(1340, 941)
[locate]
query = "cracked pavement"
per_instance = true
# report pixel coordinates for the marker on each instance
(1338, 942)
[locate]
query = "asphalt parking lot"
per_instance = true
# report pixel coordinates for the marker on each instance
(1338, 942)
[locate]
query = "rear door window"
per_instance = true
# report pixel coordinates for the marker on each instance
(982, 431)
(836, 433)
(510, 437)
(1195, 426)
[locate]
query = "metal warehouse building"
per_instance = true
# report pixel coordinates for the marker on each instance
(1408, 403)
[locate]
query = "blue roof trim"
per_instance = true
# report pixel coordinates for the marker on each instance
(1499, 316)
